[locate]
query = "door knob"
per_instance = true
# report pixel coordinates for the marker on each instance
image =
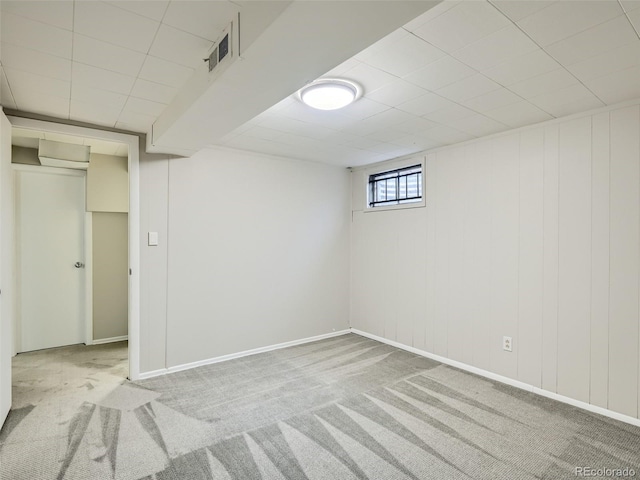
(79, 265)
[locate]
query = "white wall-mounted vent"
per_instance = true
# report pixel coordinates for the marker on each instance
(64, 155)
(225, 48)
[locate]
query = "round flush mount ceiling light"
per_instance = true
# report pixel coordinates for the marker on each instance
(330, 93)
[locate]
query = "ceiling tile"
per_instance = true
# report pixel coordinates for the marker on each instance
(425, 104)
(153, 9)
(575, 106)
(404, 56)
(496, 48)
(479, 125)
(415, 125)
(43, 104)
(204, 19)
(386, 135)
(88, 76)
(107, 56)
(599, 39)
(491, 100)
(468, 88)
(263, 133)
(518, 114)
(417, 142)
(24, 83)
(87, 112)
(114, 25)
(343, 68)
(28, 33)
(153, 91)
(396, 93)
(382, 44)
(36, 62)
(520, 68)
(369, 77)
(517, 10)
(564, 19)
(618, 86)
(388, 117)
(462, 25)
(99, 98)
(447, 135)
(362, 142)
(56, 13)
(364, 108)
(606, 63)
(164, 72)
(552, 102)
(449, 114)
(180, 47)
(144, 107)
(546, 82)
(440, 74)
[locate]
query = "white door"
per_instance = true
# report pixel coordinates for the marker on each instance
(6, 335)
(50, 237)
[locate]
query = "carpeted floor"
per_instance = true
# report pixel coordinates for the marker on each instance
(342, 408)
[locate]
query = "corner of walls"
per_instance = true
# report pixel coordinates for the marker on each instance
(154, 197)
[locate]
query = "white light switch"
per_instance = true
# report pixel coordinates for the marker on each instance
(153, 239)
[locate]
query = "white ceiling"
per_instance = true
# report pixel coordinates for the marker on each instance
(116, 64)
(464, 69)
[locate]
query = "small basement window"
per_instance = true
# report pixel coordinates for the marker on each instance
(396, 187)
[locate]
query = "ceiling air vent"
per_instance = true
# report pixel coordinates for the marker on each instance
(64, 155)
(223, 49)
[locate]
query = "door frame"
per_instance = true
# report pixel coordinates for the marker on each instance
(87, 324)
(133, 142)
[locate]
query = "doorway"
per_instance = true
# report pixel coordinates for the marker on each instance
(128, 146)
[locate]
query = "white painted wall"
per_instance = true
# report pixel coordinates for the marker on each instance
(107, 184)
(533, 234)
(254, 251)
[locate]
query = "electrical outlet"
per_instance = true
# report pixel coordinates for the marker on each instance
(507, 344)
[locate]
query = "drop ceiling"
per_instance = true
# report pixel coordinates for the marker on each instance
(458, 71)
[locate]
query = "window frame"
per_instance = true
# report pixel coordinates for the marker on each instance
(390, 167)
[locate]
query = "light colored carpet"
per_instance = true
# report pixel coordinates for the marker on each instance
(341, 408)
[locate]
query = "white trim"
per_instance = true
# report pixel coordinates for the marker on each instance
(506, 380)
(110, 340)
(88, 278)
(231, 356)
(133, 142)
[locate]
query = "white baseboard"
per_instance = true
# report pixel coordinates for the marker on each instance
(100, 341)
(231, 356)
(509, 381)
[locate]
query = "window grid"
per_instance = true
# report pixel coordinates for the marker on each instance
(395, 187)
